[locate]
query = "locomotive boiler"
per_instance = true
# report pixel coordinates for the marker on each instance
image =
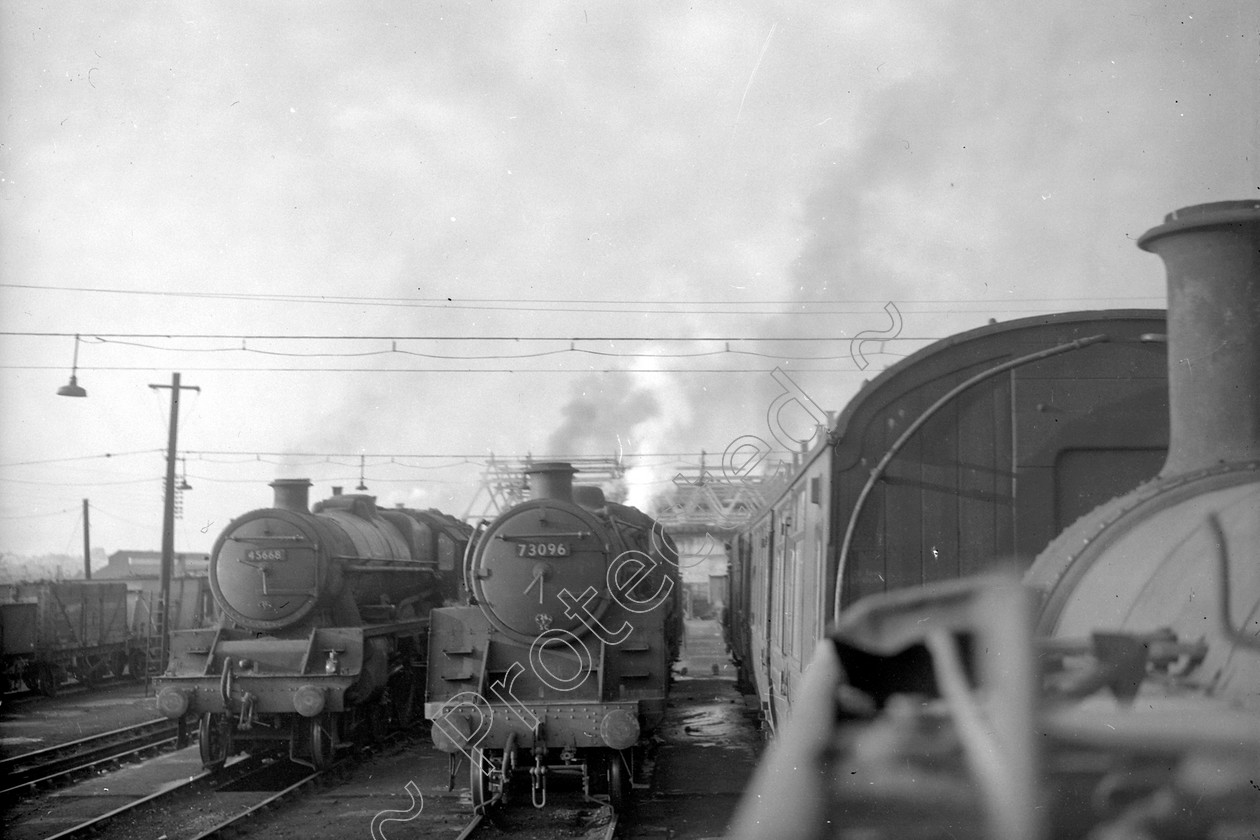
(324, 624)
(1114, 692)
(560, 666)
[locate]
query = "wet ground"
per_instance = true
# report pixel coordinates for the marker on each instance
(706, 750)
(700, 762)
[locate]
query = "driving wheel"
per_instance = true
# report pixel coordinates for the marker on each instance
(214, 740)
(323, 738)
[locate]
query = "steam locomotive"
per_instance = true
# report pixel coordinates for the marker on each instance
(560, 665)
(324, 625)
(1113, 691)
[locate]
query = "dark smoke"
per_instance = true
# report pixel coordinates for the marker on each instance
(601, 416)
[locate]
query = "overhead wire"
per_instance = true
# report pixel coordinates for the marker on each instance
(553, 305)
(82, 458)
(113, 337)
(462, 370)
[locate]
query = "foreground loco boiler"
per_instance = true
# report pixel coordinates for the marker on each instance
(324, 624)
(561, 667)
(1114, 692)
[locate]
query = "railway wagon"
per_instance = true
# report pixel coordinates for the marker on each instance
(323, 625)
(52, 629)
(1114, 692)
(975, 450)
(191, 607)
(560, 666)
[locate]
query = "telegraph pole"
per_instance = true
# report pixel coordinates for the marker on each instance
(87, 544)
(168, 515)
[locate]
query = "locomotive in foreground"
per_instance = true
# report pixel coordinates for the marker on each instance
(324, 625)
(561, 665)
(1114, 692)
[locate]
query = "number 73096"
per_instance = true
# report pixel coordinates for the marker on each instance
(542, 549)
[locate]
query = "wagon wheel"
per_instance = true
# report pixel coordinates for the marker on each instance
(214, 740)
(322, 738)
(46, 680)
(86, 670)
(30, 676)
(402, 697)
(136, 664)
(618, 784)
(118, 663)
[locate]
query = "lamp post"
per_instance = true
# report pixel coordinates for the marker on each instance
(73, 389)
(87, 543)
(168, 516)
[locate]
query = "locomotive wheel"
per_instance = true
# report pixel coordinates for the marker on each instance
(618, 784)
(322, 739)
(370, 723)
(378, 722)
(506, 766)
(402, 697)
(479, 781)
(214, 740)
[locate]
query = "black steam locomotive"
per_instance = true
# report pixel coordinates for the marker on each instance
(1112, 693)
(561, 665)
(324, 625)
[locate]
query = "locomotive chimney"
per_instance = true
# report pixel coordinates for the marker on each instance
(551, 480)
(292, 493)
(1212, 255)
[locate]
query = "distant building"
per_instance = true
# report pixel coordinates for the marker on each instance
(702, 563)
(148, 564)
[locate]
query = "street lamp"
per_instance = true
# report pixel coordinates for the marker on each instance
(168, 512)
(73, 389)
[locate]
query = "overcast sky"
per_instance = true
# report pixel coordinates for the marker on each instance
(338, 191)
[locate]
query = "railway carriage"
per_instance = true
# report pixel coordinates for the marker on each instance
(976, 450)
(1114, 691)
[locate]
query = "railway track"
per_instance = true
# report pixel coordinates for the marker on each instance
(204, 805)
(240, 816)
(570, 817)
(96, 823)
(63, 762)
(532, 827)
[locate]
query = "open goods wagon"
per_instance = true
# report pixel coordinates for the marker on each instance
(52, 629)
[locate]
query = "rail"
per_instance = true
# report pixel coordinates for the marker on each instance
(61, 762)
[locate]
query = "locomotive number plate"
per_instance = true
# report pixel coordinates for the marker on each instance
(542, 549)
(258, 555)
